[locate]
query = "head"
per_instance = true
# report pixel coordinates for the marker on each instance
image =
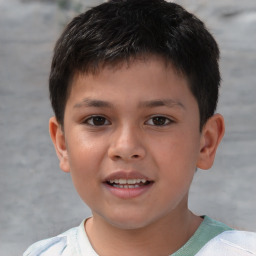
(134, 86)
(123, 30)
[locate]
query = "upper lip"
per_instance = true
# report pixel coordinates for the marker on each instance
(126, 175)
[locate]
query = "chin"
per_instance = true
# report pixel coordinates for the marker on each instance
(129, 221)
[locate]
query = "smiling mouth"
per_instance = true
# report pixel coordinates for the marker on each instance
(128, 183)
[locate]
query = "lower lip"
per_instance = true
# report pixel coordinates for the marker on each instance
(127, 193)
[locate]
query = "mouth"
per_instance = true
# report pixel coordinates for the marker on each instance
(128, 183)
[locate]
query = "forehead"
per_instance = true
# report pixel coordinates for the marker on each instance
(131, 66)
(147, 82)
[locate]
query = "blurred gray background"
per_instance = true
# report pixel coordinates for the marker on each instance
(36, 199)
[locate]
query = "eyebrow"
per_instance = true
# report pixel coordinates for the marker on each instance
(161, 103)
(93, 103)
(87, 102)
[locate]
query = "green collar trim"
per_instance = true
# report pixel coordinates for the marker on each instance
(208, 229)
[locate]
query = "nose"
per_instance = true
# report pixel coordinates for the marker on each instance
(126, 144)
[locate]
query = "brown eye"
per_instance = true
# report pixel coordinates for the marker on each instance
(159, 121)
(97, 121)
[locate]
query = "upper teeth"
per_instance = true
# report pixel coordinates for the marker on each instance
(128, 181)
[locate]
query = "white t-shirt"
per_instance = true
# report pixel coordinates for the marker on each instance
(212, 238)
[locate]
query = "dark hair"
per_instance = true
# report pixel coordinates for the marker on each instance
(119, 30)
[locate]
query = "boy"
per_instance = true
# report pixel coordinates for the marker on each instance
(134, 87)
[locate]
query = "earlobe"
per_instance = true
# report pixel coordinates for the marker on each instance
(212, 133)
(58, 139)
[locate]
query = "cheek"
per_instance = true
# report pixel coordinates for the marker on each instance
(84, 160)
(177, 156)
(84, 150)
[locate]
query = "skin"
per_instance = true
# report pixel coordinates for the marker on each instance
(129, 139)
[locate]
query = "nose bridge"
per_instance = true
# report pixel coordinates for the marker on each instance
(127, 143)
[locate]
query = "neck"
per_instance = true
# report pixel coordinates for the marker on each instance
(162, 237)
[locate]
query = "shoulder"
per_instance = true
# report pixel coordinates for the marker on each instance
(58, 246)
(231, 243)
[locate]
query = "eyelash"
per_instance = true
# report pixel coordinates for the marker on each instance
(164, 121)
(94, 118)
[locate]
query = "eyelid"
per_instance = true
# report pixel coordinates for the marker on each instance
(85, 121)
(169, 119)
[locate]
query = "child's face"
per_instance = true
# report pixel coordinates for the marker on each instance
(137, 125)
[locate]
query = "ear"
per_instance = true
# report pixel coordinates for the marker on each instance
(212, 133)
(58, 139)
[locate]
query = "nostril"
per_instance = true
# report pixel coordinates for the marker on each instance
(135, 156)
